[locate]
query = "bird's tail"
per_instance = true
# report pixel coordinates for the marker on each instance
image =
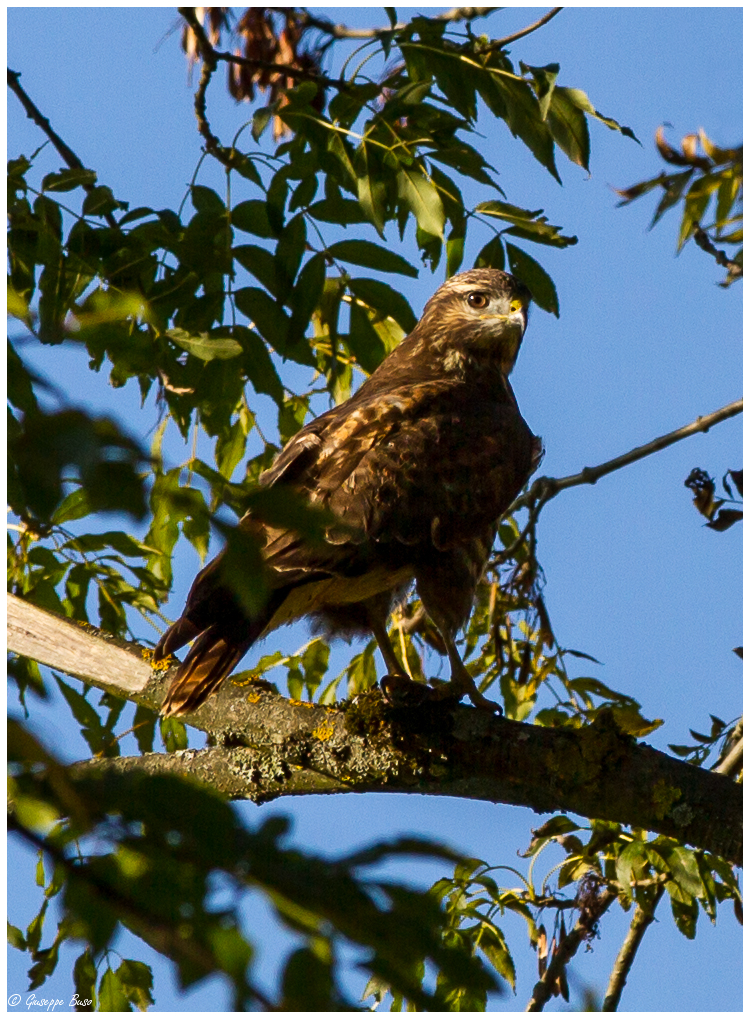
(210, 660)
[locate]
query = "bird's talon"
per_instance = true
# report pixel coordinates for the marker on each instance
(400, 691)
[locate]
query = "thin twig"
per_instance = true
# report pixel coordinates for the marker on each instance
(498, 44)
(583, 931)
(545, 489)
(344, 32)
(642, 920)
(35, 114)
(734, 269)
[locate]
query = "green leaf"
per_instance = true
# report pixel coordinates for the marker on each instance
(99, 201)
(536, 279)
(493, 944)
(84, 976)
(385, 300)
(524, 118)
(289, 251)
(257, 364)
(344, 211)
(527, 223)
(137, 983)
(261, 264)
(558, 825)
(372, 256)
(174, 734)
(631, 859)
(74, 506)
(684, 910)
(363, 340)
(371, 191)
(230, 445)
(205, 347)
(245, 167)
(492, 256)
(306, 296)
(545, 79)
(569, 127)
(582, 101)
(252, 218)
(454, 250)
(16, 938)
(684, 870)
(423, 199)
(268, 317)
(68, 180)
(112, 997)
(118, 540)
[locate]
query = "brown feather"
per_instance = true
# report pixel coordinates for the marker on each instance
(418, 466)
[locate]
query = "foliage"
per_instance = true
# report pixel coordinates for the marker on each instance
(709, 186)
(215, 309)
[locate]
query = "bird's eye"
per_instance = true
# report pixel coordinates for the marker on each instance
(477, 300)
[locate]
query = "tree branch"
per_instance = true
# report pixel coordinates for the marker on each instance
(545, 489)
(642, 920)
(211, 56)
(33, 113)
(584, 930)
(497, 44)
(734, 268)
(268, 746)
(344, 32)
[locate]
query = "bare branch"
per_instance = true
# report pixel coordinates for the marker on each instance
(267, 746)
(497, 44)
(584, 930)
(33, 113)
(545, 489)
(344, 32)
(642, 920)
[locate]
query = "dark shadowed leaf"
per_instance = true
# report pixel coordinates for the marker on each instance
(372, 256)
(536, 279)
(385, 300)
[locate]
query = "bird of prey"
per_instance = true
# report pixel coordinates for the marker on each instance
(416, 467)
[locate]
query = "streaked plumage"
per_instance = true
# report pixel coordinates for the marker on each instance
(418, 466)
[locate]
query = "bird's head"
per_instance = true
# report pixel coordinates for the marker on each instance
(481, 314)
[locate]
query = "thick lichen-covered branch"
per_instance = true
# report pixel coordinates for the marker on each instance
(266, 746)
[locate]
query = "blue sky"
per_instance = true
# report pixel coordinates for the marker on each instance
(645, 342)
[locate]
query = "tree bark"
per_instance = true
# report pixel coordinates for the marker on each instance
(265, 746)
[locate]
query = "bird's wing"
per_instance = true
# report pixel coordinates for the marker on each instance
(418, 461)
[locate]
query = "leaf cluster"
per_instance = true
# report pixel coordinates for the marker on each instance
(172, 863)
(708, 505)
(708, 185)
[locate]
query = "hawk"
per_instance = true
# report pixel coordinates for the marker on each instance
(417, 467)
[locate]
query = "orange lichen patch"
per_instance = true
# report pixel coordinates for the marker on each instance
(301, 704)
(252, 698)
(157, 664)
(324, 731)
(245, 681)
